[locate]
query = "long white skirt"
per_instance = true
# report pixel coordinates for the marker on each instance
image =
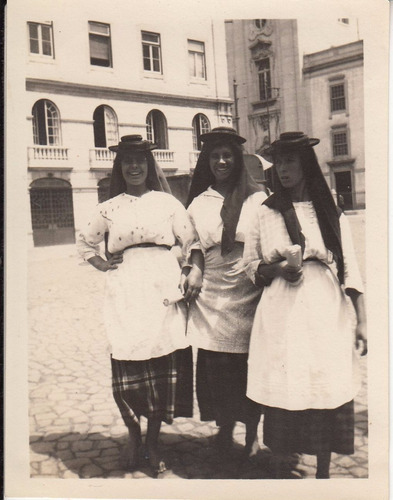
(138, 324)
(302, 348)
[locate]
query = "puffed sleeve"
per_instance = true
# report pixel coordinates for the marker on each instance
(352, 278)
(92, 234)
(184, 232)
(252, 255)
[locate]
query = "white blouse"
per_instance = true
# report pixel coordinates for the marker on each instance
(267, 240)
(205, 214)
(155, 217)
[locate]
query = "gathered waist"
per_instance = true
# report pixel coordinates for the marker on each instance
(148, 245)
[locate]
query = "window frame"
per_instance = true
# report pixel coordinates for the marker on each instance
(55, 116)
(198, 129)
(334, 133)
(97, 34)
(334, 100)
(157, 129)
(40, 39)
(109, 124)
(267, 90)
(195, 53)
(151, 58)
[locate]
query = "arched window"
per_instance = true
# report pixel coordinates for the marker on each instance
(200, 125)
(105, 127)
(156, 129)
(46, 123)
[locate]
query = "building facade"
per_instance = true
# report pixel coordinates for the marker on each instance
(264, 78)
(333, 83)
(96, 74)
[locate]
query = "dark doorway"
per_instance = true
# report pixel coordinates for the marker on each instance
(344, 189)
(52, 212)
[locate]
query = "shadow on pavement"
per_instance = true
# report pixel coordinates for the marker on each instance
(95, 455)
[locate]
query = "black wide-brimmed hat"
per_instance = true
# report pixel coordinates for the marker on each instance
(289, 141)
(133, 142)
(223, 134)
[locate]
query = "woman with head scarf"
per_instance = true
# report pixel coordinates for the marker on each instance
(303, 361)
(221, 197)
(145, 316)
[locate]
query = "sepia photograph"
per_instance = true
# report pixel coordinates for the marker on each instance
(196, 249)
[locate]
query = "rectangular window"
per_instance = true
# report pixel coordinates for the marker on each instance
(337, 97)
(41, 39)
(196, 59)
(264, 78)
(340, 143)
(151, 49)
(100, 44)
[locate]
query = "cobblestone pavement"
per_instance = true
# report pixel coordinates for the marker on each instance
(75, 428)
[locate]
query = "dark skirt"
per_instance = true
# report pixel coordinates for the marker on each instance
(221, 383)
(310, 431)
(158, 388)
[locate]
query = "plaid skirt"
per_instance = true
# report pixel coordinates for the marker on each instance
(310, 431)
(158, 388)
(221, 382)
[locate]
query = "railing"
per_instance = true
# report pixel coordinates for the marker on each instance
(163, 155)
(101, 158)
(47, 153)
(194, 155)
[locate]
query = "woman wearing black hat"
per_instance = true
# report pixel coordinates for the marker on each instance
(222, 195)
(303, 365)
(144, 316)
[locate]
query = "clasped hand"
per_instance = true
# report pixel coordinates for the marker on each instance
(191, 283)
(292, 274)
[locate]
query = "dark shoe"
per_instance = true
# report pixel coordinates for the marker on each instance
(158, 469)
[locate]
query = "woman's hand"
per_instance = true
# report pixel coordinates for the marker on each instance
(106, 265)
(191, 283)
(361, 338)
(292, 274)
(358, 302)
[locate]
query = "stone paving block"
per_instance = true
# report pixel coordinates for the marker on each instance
(44, 417)
(50, 467)
(76, 463)
(81, 419)
(98, 431)
(58, 396)
(105, 406)
(74, 413)
(108, 466)
(360, 472)
(103, 444)
(62, 446)
(81, 428)
(186, 427)
(91, 470)
(118, 430)
(53, 434)
(67, 474)
(65, 455)
(101, 420)
(87, 454)
(110, 451)
(81, 445)
(44, 447)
